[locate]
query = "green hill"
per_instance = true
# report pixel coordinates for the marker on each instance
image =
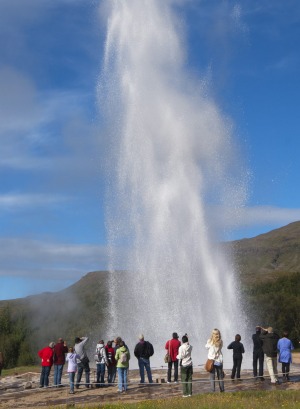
(268, 256)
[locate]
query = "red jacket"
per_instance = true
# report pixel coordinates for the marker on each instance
(59, 353)
(173, 346)
(46, 355)
(110, 354)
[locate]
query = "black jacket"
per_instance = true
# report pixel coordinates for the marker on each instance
(257, 342)
(238, 349)
(269, 343)
(143, 350)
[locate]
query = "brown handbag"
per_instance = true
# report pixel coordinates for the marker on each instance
(168, 358)
(209, 365)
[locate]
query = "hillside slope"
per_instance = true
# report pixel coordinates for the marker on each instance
(268, 256)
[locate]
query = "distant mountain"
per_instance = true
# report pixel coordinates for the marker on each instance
(268, 256)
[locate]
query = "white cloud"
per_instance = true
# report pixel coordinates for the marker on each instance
(237, 218)
(32, 259)
(15, 202)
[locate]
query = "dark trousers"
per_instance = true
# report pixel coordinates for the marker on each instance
(44, 378)
(175, 371)
(237, 363)
(285, 370)
(186, 379)
(86, 369)
(111, 374)
(258, 356)
(218, 369)
(100, 375)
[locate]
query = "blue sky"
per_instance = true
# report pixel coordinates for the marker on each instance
(52, 226)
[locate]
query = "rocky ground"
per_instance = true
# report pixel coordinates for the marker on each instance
(22, 391)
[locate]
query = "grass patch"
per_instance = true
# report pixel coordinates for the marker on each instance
(20, 370)
(235, 400)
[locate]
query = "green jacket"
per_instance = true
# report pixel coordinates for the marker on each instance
(118, 357)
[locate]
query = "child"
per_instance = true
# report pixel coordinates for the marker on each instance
(71, 358)
(238, 350)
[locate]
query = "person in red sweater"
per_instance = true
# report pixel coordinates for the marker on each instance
(59, 360)
(46, 355)
(111, 369)
(172, 346)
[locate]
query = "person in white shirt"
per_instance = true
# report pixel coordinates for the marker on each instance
(71, 358)
(185, 357)
(214, 345)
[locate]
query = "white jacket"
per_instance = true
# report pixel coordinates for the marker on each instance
(71, 358)
(185, 354)
(100, 356)
(214, 352)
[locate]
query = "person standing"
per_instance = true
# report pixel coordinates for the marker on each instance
(185, 356)
(172, 346)
(270, 340)
(238, 351)
(46, 355)
(111, 368)
(214, 345)
(285, 347)
(142, 351)
(258, 355)
(72, 367)
(59, 351)
(83, 361)
(122, 358)
(101, 362)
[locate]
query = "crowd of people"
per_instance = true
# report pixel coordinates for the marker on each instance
(114, 357)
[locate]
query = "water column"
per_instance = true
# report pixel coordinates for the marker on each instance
(170, 154)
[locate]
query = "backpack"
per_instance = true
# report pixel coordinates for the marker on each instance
(109, 357)
(98, 356)
(123, 357)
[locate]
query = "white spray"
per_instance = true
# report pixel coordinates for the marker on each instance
(170, 156)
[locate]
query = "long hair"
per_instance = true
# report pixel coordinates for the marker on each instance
(216, 338)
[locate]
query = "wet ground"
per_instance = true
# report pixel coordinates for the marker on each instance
(22, 391)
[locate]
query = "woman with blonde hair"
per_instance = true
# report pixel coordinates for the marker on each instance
(214, 345)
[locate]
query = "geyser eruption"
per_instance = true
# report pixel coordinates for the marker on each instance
(169, 165)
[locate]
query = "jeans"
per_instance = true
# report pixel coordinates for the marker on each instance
(237, 363)
(87, 370)
(219, 370)
(100, 375)
(175, 370)
(144, 363)
(186, 379)
(272, 368)
(44, 379)
(122, 379)
(58, 370)
(72, 381)
(258, 356)
(111, 374)
(285, 370)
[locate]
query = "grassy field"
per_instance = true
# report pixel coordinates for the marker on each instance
(236, 400)
(21, 370)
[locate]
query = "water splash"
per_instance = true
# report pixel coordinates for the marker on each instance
(171, 152)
